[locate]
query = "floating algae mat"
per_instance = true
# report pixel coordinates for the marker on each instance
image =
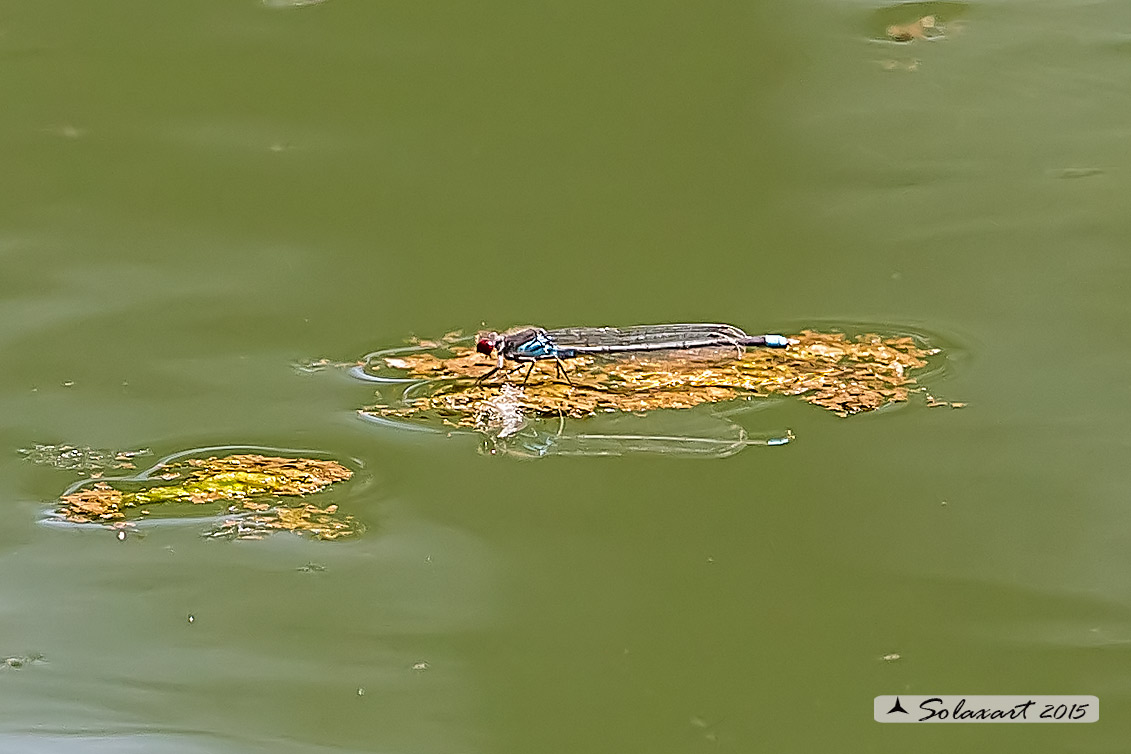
(843, 374)
(257, 489)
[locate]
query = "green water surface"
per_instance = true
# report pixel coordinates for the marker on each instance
(195, 196)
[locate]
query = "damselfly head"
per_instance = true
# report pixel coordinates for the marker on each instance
(486, 342)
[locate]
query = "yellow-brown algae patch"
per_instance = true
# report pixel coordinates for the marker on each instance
(250, 480)
(843, 374)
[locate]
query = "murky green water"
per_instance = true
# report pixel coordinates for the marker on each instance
(195, 196)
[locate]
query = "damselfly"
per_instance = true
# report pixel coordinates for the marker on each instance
(532, 344)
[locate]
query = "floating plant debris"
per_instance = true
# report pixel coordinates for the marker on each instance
(933, 402)
(249, 483)
(843, 374)
(21, 661)
(320, 523)
(918, 21)
(81, 457)
(926, 27)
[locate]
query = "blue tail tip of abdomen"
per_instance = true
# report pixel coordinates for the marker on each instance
(777, 341)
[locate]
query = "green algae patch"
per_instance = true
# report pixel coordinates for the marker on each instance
(843, 374)
(256, 488)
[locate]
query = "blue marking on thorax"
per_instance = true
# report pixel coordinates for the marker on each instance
(538, 347)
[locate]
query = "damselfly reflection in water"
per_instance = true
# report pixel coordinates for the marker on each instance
(506, 430)
(505, 427)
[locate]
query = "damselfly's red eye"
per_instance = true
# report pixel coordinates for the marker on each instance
(485, 346)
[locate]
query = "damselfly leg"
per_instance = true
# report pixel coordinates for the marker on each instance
(560, 367)
(485, 375)
(528, 371)
(481, 378)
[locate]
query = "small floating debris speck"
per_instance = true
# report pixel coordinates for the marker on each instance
(22, 661)
(291, 3)
(1069, 173)
(68, 131)
(926, 27)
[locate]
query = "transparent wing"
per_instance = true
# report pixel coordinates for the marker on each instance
(647, 337)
